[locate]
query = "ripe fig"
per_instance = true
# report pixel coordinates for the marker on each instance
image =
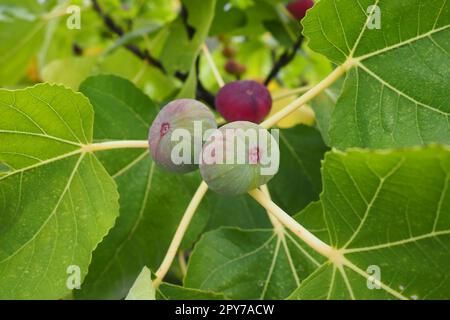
(298, 8)
(239, 157)
(164, 135)
(235, 68)
(245, 100)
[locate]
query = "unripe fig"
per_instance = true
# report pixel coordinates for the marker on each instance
(245, 100)
(179, 114)
(239, 157)
(228, 52)
(235, 68)
(298, 8)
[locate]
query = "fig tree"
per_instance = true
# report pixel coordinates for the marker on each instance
(239, 157)
(245, 100)
(298, 8)
(175, 122)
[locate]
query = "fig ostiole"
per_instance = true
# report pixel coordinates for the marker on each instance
(244, 100)
(175, 137)
(239, 157)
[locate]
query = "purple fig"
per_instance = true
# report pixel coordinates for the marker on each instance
(298, 8)
(175, 122)
(239, 157)
(245, 100)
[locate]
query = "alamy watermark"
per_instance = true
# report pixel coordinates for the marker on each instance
(374, 279)
(74, 20)
(374, 18)
(74, 277)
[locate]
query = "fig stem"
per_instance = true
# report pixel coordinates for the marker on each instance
(213, 66)
(110, 145)
(290, 93)
(291, 224)
(181, 230)
(309, 95)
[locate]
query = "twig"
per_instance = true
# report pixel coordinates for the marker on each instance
(115, 28)
(184, 17)
(202, 93)
(285, 58)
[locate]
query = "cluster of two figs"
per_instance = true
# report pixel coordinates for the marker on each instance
(233, 159)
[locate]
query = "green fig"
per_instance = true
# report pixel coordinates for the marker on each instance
(176, 135)
(239, 157)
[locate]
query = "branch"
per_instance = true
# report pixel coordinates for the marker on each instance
(285, 58)
(202, 93)
(115, 28)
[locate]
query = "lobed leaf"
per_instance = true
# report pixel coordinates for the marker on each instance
(387, 212)
(57, 202)
(395, 92)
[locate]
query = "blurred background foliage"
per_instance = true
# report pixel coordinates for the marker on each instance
(256, 32)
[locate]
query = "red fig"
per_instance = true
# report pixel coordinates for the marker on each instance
(244, 100)
(298, 8)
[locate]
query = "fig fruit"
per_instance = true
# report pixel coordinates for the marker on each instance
(235, 68)
(176, 121)
(239, 157)
(228, 52)
(244, 100)
(298, 8)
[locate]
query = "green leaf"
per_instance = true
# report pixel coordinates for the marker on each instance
(227, 18)
(57, 202)
(168, 291)
(252, 264)
(385, 210)
(396, 90)
(152, 201)
(21, 34)
(69, 71)
(238, 211)
(298, 181)
(142, 288)
(323, 106)
(180, 52)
